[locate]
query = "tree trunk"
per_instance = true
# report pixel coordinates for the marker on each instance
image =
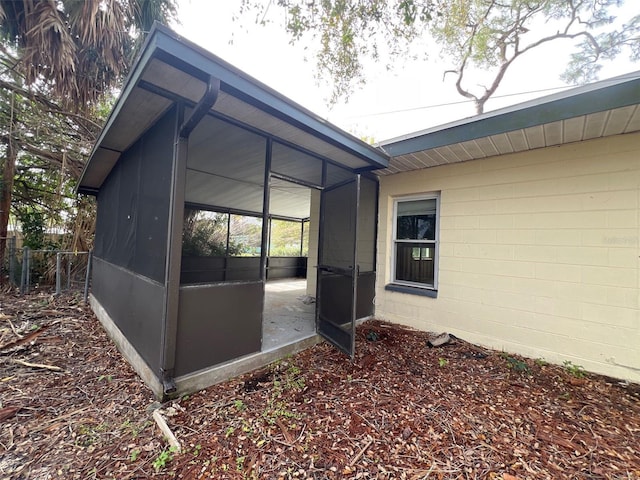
(6, 189)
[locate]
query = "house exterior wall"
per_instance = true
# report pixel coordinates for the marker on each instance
(538, 253)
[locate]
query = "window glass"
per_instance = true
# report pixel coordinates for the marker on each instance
(204, 233)
(245, 236)
(285, 238)
(416, 220)
(414, 263)
(415, 242)
(219, 247)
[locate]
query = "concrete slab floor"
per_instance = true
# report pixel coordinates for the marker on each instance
(286, 318)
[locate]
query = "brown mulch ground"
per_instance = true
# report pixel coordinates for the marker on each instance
(400, 410)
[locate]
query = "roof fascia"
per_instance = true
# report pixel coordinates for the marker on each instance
(613, 96)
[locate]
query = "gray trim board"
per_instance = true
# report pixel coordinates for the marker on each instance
(424, 292)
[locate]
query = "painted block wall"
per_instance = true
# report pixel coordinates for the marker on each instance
(538, 253)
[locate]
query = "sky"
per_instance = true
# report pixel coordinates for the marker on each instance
(392, 103)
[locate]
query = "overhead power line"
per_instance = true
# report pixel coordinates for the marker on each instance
(425, 107)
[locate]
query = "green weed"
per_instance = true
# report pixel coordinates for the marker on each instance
(134, 429)
(574, 370)
(163, 458)
(515, 364)
(90, 434)
(196, 450)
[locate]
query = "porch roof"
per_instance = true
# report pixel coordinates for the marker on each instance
(171, 68)
(600, 109)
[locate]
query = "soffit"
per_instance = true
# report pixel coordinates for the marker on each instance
(606, 108)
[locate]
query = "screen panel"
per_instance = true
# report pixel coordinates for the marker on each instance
(295, 164)
(337, 277)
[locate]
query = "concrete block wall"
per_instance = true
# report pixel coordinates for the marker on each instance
(538, 253)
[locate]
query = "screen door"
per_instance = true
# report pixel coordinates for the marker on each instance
(337, 266)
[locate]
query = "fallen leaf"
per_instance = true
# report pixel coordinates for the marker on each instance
(508, 476)
(8, 412)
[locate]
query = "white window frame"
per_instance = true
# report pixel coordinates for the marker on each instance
(436, 242)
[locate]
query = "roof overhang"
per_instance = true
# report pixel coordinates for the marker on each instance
(171, 69)
(608, 107)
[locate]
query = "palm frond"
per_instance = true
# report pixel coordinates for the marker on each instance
(11, 19)
(77, 49)
(48, 47)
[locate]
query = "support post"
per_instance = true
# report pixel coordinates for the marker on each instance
(320, 249)
(265, 212)
(87, 277)
(173, 260)
(28, 282)
(69, 264)
(226, 251)
(12, 261)
(23, 274)
(183, 129)
(58, 273)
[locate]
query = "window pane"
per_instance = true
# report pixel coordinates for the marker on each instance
(414, 263)
(421, 253)
(245, 236)
(204, 233)
(204, 246)
(417, 207)
(285, 238)
(416, 220)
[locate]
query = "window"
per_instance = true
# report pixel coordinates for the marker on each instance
(416, 241)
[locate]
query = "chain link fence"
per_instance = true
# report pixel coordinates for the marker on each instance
(27, 268)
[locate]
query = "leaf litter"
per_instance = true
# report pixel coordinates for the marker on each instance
(400, 410)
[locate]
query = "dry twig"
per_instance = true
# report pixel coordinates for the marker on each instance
(38, 365)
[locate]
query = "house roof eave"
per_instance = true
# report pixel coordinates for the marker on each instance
(601, 96)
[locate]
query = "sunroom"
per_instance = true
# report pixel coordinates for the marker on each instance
(233, 225)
